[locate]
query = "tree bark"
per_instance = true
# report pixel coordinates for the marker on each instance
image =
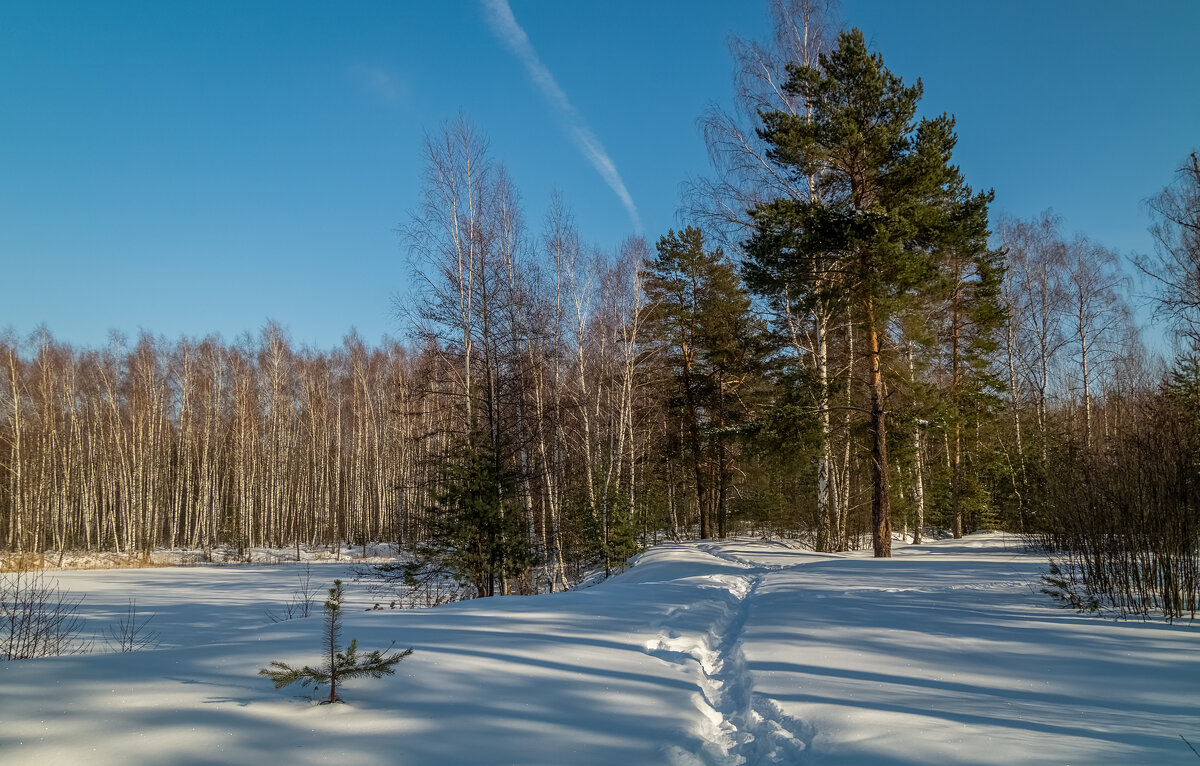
(881, 509)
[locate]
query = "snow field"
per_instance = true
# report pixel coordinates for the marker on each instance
(703, 654)
(948, 653)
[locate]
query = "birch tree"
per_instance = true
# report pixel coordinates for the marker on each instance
(1096, 319)
(747, 176)
(1174, 267)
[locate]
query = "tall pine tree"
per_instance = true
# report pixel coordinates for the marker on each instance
(972, 274)
(888, 207)
(700, 314)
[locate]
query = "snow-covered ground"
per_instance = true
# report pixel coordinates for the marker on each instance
(221, 555)
(702, 653)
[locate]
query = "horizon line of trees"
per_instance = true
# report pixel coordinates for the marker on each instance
(199, 443)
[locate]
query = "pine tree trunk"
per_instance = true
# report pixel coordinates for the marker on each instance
(956, 394)
(881, 511)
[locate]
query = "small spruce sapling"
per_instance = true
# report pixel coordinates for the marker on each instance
(339, 665)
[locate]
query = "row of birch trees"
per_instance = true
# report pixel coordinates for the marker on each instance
(195, 444)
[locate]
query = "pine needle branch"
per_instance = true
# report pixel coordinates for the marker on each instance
(340, 664)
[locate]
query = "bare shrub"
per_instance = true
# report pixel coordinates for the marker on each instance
(1123, 519)
(37, 618)
(130, 633)
(300, 604)
(410, 586)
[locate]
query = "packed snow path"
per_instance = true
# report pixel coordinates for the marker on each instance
(708, 654)
(735, 726)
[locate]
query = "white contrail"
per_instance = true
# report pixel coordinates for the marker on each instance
(504, 25)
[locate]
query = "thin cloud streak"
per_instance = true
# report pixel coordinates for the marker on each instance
(504, 25)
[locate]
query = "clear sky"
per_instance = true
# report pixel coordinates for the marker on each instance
(201, 166)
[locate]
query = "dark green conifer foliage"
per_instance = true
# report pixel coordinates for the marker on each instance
(339, 665)
(477, 534)
(973, 316)
(1184, 384)
(700, 317)
(888, 206)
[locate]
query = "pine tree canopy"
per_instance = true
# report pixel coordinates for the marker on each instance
(886, 200)
(890, 229)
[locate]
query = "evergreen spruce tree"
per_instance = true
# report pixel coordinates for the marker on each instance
(1183, 386)
(888, 203)
(339, 665)
(477, 534)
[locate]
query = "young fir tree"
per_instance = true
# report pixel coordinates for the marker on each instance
(338, 665)
(888, 203)
(477, 534)
(1183, 385)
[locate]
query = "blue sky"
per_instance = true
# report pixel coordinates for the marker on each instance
(196, 167)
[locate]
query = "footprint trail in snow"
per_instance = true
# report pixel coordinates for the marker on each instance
(735, 725)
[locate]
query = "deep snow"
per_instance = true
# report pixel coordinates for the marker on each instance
(702, 653)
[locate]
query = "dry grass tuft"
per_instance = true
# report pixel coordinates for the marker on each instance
(31, 562)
